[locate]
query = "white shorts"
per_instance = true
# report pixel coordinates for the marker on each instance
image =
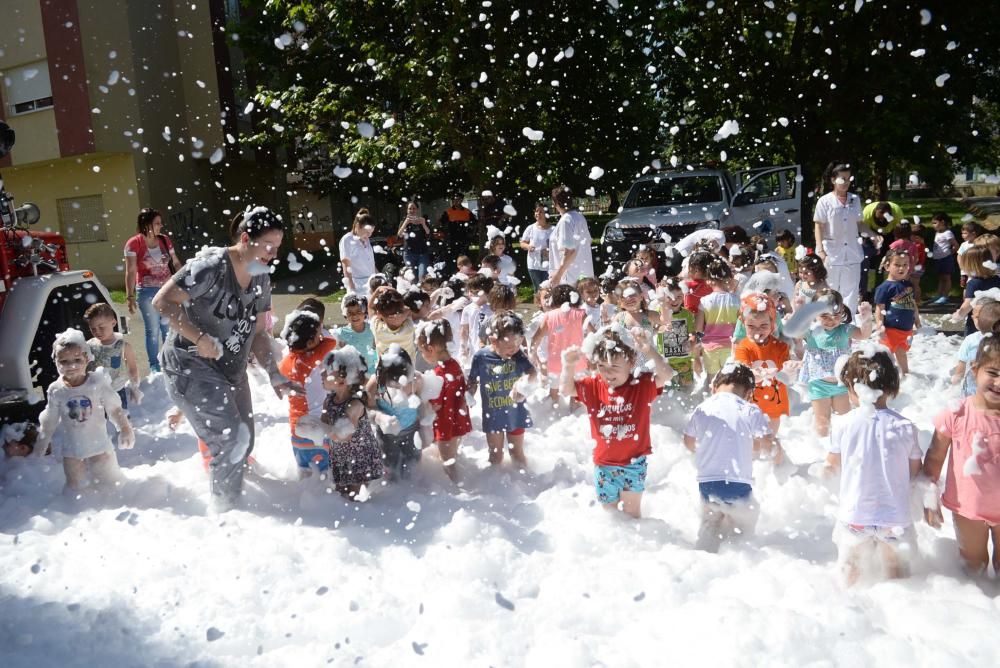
(850, 537)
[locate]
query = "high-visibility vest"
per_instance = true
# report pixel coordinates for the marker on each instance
(459, 215)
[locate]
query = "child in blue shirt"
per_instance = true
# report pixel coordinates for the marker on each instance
(357, 332)
(896, 306)
(394, 396)
(985, 314)
(497, 371)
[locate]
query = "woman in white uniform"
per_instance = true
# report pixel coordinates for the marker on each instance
(837, 221)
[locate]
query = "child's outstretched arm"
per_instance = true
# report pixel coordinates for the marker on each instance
(933, 463)
(126, 436)
(567, 380)
(536, 340)
(662, 371)
(690, 442)
(958, 374)
(48, 422)
(864, 322)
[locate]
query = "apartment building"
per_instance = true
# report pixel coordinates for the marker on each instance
(119, 105)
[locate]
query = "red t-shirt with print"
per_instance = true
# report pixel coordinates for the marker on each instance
(619, 418)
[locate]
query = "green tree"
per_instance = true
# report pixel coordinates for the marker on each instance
(887, 86)
(428, 96)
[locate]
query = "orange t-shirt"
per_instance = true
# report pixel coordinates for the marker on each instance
(305, 368)
(772, 399)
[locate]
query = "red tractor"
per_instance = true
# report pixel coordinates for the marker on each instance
(39, 297)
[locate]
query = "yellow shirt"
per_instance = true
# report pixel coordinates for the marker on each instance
(788, 255)
(385, 337)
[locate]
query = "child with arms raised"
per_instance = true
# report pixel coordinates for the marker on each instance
(77, 404)
(307, 348)
(392, 323)
(896, 306)
(724, 431)
(829, 338)
(496, 371)
(969, 438)
(619, 400)
(451, 420)
(876, 450)
(113, 353)
(766, 356)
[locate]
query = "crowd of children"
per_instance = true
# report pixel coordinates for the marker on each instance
(751, 324)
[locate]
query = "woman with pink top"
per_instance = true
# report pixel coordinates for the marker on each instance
(563, 326)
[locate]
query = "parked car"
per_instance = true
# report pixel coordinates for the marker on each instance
(661, 208)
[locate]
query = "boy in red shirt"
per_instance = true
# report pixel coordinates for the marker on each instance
(618, 399)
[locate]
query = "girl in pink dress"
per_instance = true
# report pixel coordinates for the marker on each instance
(563, 326)
(969, 437)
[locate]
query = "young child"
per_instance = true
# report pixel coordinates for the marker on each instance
(502, 298)
(825, 342)
(357, 333)
(561, 328)
(77, 404)
(451, 420)
(498, 248)
(677, 338)
(307, 350)
(619, 399)
(478, 291)
(970, 434)
(112, 352)
(392, 323)
(418, 303)
(970, 232)
(981, 275)
(715, 321)
(985, 315)
(496, 372)
(943, 254)
(786, 249)
(896, 306)
(634, 311)
(812, 279)
(355, 457)
(766, 356)
(724, 431)
(590, 289)
(394, 398)
(697, 285)
(876, 450)
(449, 301)
(466, 268)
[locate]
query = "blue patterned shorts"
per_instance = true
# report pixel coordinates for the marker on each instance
(611, 481)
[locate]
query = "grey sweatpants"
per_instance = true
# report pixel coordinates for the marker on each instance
(222, 416)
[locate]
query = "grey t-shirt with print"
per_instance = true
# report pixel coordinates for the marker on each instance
(219, 307)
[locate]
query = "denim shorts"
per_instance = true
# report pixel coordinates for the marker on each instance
(611, 481)
(723, 491)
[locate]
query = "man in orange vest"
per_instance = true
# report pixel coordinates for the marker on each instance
(456, 231)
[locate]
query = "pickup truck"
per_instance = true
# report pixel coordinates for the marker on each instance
(661, 208)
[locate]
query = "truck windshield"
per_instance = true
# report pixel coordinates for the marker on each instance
(674, 190)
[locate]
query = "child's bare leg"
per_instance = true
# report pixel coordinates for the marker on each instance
(973, 543)
(995, 534)
(76, 473)
(710, 532)
(841, 404)
(104, 469)
(904, 366)
(630, 503)
(495, 443)
(516, 444)
(821, 416)
(890, 561)
(697, 365)
(851, 565)
(449, 455)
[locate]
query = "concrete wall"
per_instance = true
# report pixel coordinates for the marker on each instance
(44, 183)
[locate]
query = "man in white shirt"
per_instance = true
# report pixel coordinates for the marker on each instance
(570, 256)
(837, 222)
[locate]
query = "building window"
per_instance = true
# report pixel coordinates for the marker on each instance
(27, 88)
(83, 219)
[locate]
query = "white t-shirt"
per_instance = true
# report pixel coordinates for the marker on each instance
(82, 430)
(787, 284)
(571, 232)
(875, 453)
(841, 240)
(359, 253)
(539, 238)
(942, 244)
(725, 427)
(471, 319)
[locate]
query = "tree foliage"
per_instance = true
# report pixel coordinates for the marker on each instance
(887, 86)
(455, 95)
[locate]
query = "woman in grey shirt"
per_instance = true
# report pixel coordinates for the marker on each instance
(216, 305)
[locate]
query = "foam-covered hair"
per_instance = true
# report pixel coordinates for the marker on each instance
(69, 339)
(757, 302)
(349, 361)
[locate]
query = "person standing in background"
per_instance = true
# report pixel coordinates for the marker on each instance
(837, 225)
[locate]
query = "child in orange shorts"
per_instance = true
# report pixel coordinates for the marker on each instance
(767, 356)
(896, 306)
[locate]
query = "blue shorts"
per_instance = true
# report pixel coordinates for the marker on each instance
(723, 491)
(946, 265)
(611, 481)
(824, 389)
(308, 455)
